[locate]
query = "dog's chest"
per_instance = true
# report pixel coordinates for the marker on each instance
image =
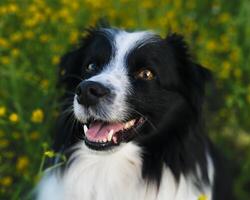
(116, 176)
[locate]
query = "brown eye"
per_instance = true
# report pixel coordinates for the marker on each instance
(145, 75)
(91, 67)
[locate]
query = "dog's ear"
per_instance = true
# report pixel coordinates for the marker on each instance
(69, 69)
(193, 76)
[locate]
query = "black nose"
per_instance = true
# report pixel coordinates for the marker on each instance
(89, 93)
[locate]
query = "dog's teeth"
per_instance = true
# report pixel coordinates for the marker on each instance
(104, 140)
(126, 125)
(110, 134)
(85, 128)
(129, 124)
(115, 140)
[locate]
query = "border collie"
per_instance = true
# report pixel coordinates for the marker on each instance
(136, 132)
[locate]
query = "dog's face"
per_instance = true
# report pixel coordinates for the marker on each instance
(132, 84)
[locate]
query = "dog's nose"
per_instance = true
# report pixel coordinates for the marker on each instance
(89, 93)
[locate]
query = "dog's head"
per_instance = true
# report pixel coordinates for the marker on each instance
(129, 84)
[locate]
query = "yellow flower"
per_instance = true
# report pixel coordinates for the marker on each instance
(202, 197)
(237, 73)
(13, 8)
(44, 84)
(147, 4)
(44, 38)
(5, 60)
(55, 60)
(29, 35)
(225, 71)
(224, 17)
(22, 163)
(37, 116)
(14, 117)
(235, 55)
(248, 98)
(34, 135)
(211, 45)
(2, 111)
(15, 52)
(4, 43)
(50, 154)
(16, 37)
(30, 22)
(6, 181)
(73, 37)
(4, 143)
(75, 5)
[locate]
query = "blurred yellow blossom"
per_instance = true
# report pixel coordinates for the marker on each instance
(225, 71)
(237, 73)
(4, 43)
(203, 197)
(211, 45)
(73, 37)
(44, 84)
(95, 4)
(248, 98)
(13, 8)
(147, 4)
(14, 117)
(4, 143)
(16, 37)
(234, 56)
(29, 34)
(55, 60)
(34, 135)
(22, 163)
(2, 111)
(44, 38)
(50, 154)
(15, 52)
(37, 116)
(5, 60)
(224, 17)
(6, 181)
(9, 154)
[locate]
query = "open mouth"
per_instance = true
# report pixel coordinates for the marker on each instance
(101, 135)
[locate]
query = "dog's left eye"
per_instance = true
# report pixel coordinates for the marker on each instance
(145, 74)
(91, 67)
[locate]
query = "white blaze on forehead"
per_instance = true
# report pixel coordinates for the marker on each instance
(125, 42)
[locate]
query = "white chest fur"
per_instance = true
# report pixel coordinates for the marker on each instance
(113, 176)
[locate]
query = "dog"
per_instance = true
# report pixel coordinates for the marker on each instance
(134, 130)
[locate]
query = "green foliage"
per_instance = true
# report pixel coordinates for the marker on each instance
(35, 33)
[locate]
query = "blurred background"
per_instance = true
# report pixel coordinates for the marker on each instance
(34, 34)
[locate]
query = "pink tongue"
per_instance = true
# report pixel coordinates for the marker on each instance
(100, 130)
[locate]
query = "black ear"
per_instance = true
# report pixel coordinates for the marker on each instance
(192, 75)
(70, 69)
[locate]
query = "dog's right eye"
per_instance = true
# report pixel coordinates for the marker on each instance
(91, 67)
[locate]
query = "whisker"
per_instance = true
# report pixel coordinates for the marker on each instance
(151, 123)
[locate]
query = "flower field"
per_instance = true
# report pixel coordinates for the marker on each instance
(34, 34)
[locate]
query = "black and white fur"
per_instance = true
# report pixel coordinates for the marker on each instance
(169, 158)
